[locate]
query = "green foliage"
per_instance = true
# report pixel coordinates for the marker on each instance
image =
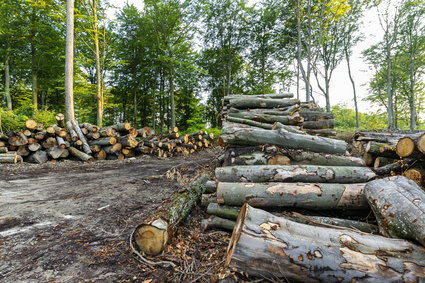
(10, 121)
(345, 119)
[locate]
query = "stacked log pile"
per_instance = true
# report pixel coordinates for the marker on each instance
(301, 181)
(86, 142)
(275, 111)
(393, 153)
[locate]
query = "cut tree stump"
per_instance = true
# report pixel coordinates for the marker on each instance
(251, 136)
(301, 195)
(60, 120)
(399, 206)
(273, 247)
(294, 173)
(152, 236)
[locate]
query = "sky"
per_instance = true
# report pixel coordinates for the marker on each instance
(341, 88)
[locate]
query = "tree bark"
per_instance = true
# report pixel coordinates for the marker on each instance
(80, 155)
(152, 236)
(301, 195)
(60, 120)
(122, 127)
(223, 211)
(215, 222)
(227, 98)
(292, 129)
(104, 141)
(243, 103)
(316, 116)
(273, 247)
(7, 81)
(266, 118)
(249, 122)
(399, 206)
(353, 84)
(294, 173)
(240, 136)
(69, 61)
(81, 136)
(321, 124)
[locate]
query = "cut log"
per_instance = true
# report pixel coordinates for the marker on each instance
(128, 141)
(107, 132)
(321, 124)
(369, 159)
(321, 132)
(93, 135)
(121, 127)
(80, 155)
(206, 199)
(113, 149)
(91, 128)
(3, 149)
(227, 98)
(143, 149)
(152, 236)
(49, 143)
(86, 146)
(95, 148)
(71, 131)
(316, 115)
(13, 159)
(305, 157)
(249, 122)
(294, 173)
(406, 147)
(61, 143)
(38, 157)
(27, 133)
(215, 222)
(381, 149)
(104, 141)
(399, 206)
(65, 153)
(18, 139)
(241, 136)
(34, 146)
(33, 125)
(23, 151)
(210, 186)
(417, 175)
(382, 161)
(394, 167)
(40, 135)
(55, 152)
(265, 118)
(101, 155)
(133, 132)
(301, 195)
(273, 247)
(244, 103)
(60, 120)
(223, 211)
(292, 129)
(420, 143)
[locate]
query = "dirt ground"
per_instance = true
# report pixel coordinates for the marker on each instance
(70, 222)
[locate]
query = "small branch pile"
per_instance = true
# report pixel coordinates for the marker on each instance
(88, 142)
(393, 153)
(276, 111)
(303, 181)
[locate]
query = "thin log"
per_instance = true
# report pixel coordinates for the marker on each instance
(301, 195)
(152, 236)
(249, 122)
(80, 155)
(104, 141)
(382, 161)
(71, 131)
(273, 247)
(321, 132)
(61, 143)
(381, 149)
(289, 128)
(86, 146)
(210, 186)
(393, 167)
(399, 206)
(10, 159)
(215, 222)
(223, 211)
(241, 136)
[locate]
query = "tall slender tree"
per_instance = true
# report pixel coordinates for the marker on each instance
(69, 61)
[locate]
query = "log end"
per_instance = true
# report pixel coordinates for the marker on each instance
(405, 147)
(152, 238)
(421, 143)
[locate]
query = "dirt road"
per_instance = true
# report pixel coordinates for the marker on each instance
(70, 222)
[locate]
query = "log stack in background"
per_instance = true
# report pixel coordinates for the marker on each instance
(393, 153)
(304, 181)
(87, 142)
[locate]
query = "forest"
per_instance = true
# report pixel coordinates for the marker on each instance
(172, 62)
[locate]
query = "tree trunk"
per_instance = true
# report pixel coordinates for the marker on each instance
(390, 102)
(7, 81)
(301, 195)
(224, 211)
(316, 115)
(244, 103)
(240, 136)
(172, 100)
(104, 141)
(249, 122)
(99, 94)
(273, 247)
(399, 206)
(353, 84)
(152, 236)
(294, 173)
(69, 61)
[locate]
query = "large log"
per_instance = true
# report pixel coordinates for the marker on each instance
(417, 175)
(18, 139)
(152, 236)
(49, 142)
(23, 150)
(286, 111)
(242, 136)
(266, 118)
(38, 157)
(300, 195)
(55, 152)
(121, 127)
(273, 247)
(243, 103)
(420, 143)
(227, 98)
(305, 157)
(316, 115)
(294, 173)
(399, 206)
(33, 125)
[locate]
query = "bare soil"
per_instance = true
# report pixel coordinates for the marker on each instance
(70, 221)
